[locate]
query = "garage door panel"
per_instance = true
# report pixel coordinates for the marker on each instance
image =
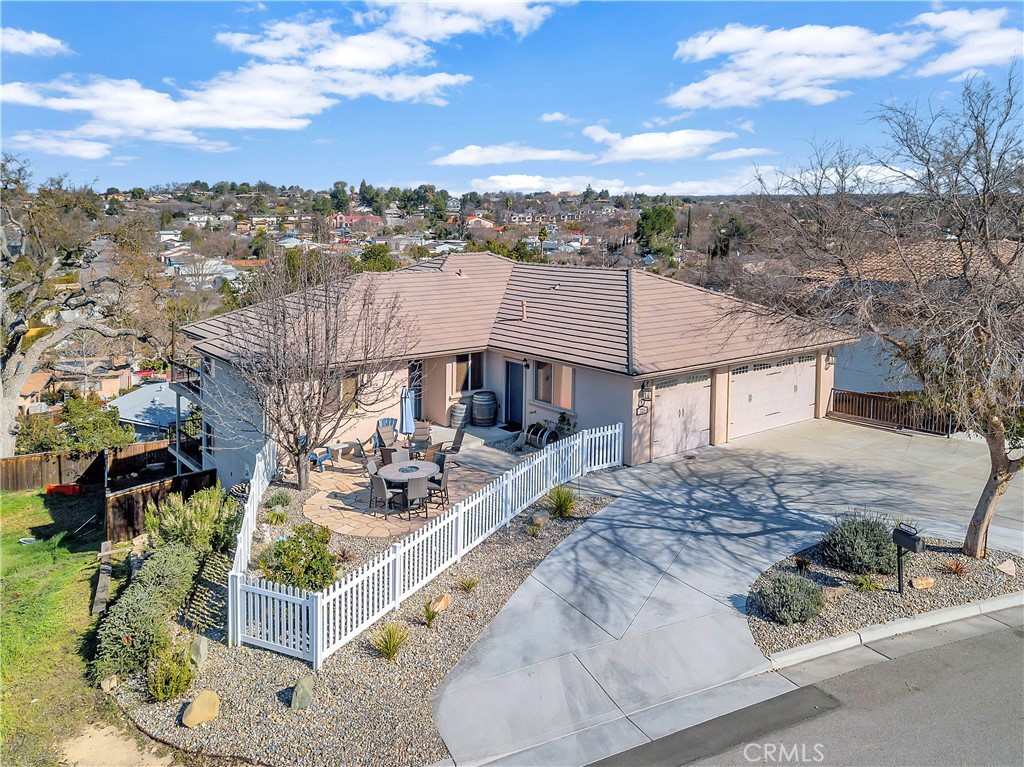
(682, 415)
(771, 394)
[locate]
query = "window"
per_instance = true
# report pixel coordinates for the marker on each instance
(469, 372)
(208, 428)
(554, 384)
(758, 366)
(740, 370)
(806, 358)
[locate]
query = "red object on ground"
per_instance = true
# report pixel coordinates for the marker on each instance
(63, 489)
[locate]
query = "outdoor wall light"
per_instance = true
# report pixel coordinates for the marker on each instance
(646, 392)
(830, 359)
(526, 363)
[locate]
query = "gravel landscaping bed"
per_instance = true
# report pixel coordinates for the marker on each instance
(854, 610)
(366, 710)
(508, 445)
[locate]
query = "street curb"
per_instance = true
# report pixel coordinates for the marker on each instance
(823, 647)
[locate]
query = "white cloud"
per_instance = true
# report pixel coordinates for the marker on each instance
(747, 126)
(661, 122)
(60, 143)
(804, 63)
(979, 37)
(121, 160)
(739, 154)
(673, 145)
(506, 153)
(27, 43)
(556, 117)
(737, 183)
(297, 70)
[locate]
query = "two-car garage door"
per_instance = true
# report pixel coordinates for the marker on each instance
(764, 395)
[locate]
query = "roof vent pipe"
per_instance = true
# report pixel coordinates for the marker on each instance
(523, 306)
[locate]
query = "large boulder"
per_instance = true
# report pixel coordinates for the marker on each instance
(205, 708)
(302, 693)
(540, 518)
(441, 603)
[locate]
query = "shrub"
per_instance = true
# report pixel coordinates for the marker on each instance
(303, 559)
(865, 584)
(787, 599)
(278, 498)
(561, 501)
(533, 531)
(170, 674)
(208, 521)
(468, 583)
(429, 614)
(390, 639)
(802, 563)
(955, 567)
(135, 626)
(860, 544)
(277, 516)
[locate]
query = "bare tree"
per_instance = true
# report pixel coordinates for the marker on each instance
(44, 236)
(919, 245)
(319, 347)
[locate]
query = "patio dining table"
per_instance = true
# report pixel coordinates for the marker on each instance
(403, 471)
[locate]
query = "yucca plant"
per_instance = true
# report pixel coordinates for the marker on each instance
(468, 583)
(429, 614)
(561, 501)
(390, 639)
(277, 516)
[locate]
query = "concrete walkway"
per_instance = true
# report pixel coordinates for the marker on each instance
(607, 644)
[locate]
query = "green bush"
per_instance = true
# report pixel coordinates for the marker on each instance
(208, 521)
(278, 498)
(390, 639)
(860, 544)
(561, 501)
(787, 599)
(277, 516)
(134, 629)
(303, 559)
(170, 674)
(865, 584)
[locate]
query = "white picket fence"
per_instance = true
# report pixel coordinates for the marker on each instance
(312, 625)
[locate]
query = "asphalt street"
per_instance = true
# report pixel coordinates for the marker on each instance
(959, 704)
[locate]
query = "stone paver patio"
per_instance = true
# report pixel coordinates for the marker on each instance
(342, 501)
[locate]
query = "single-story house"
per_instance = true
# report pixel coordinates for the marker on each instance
(151, 410)
(30, 397)
(678, 365)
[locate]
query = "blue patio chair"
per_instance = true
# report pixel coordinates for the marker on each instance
(320, 460)
(385, 431)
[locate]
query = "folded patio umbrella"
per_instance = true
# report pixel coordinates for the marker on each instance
(406, 422)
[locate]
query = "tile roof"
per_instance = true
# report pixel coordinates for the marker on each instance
(620, 320)
(926, 260)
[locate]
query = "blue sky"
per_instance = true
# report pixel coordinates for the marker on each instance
(659, 96)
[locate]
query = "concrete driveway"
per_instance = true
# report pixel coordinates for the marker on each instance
(634, 626)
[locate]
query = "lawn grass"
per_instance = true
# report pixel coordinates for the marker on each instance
(45, 625)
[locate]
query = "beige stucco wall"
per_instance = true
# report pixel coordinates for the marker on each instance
(823, 382)
(719, 406)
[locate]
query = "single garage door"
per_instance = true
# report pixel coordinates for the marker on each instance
(764, 395)
(682, 414)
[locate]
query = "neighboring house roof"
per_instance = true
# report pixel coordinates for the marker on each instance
(150, 405)
(620, 320)
(35, 383)
(929, 260)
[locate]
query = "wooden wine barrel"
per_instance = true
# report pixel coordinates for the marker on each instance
(485, 408)
(458, 416)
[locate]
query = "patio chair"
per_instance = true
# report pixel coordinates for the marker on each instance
(390, 455)
(453, 447)
(386, 434)
(415, 495)
(381, 494)
(320, 459)
(439, 487)
(370, 467)
(431, 452)
(422, 432)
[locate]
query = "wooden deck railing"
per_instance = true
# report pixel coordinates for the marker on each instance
(893, 409)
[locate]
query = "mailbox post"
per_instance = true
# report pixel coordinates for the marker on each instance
(906, 539)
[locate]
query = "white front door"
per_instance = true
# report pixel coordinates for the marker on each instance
(682, 414)
(764, 395)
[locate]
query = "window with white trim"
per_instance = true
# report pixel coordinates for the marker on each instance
(741, 370)
(553, 384)
(805, 358)
(759, 366)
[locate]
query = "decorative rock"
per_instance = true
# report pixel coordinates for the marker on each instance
(922, 582)
(1009, 567)
(199, 652)
(205, 708)
(110, 683)
(441, 603)
(832, 593)
(302, 693)
(540, 518)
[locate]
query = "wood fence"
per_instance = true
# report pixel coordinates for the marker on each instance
(125, 510)
(136, 457)
(312, 625)
(37, 470)
(893, 409)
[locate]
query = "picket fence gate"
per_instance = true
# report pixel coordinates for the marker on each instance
(312, 625)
